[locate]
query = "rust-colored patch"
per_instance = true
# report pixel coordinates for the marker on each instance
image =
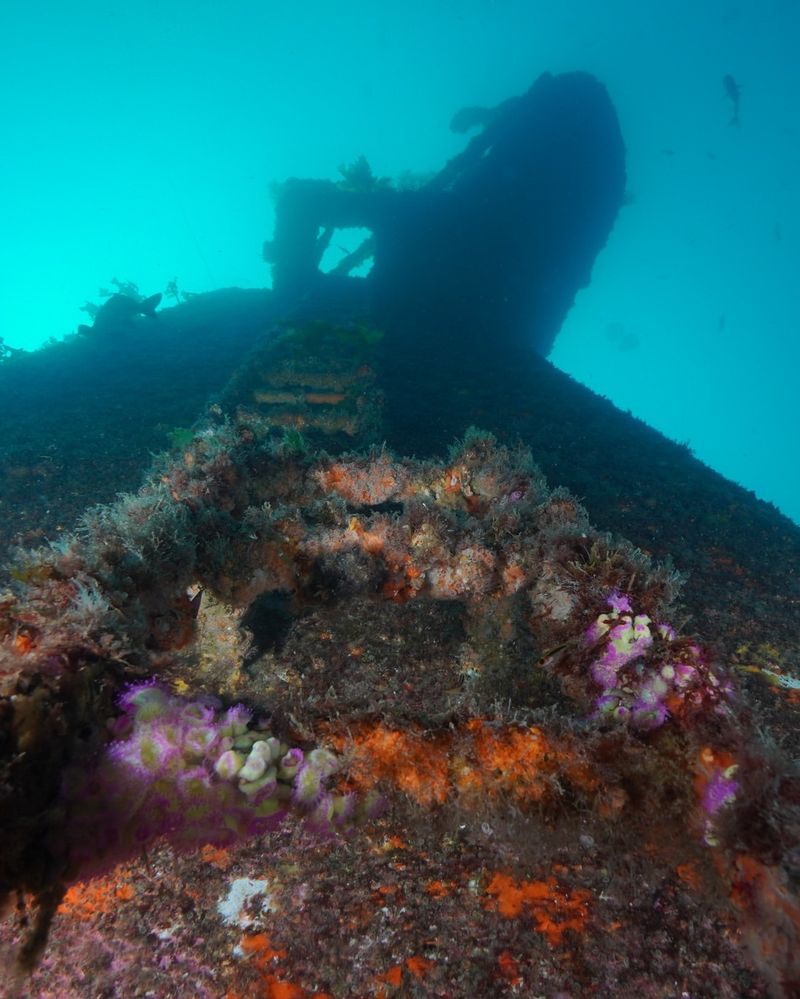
(508, 968)
(266, 958)
(259, 945)
(439, 889)
(395, 843)
(24, 643)
(689, 874)
(480, 761)
(325, 398)
(216, 856)
(393, 977)
(88, 899)
(554, 909)
(519, 762)
(419, 966)
(415, 764)
(514, 578)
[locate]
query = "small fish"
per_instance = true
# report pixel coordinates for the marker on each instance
(119, 312)
(733, 92)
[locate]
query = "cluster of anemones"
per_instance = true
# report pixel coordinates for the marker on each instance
(194, 772)
(643, 673)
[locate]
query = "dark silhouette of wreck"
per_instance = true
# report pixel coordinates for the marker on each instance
(494, 248)
(473, 275)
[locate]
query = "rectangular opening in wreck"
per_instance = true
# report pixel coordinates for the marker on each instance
(350, 251)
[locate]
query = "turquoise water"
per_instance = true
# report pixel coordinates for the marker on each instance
(141, 140)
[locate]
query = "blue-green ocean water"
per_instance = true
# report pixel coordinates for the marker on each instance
(140, 140)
